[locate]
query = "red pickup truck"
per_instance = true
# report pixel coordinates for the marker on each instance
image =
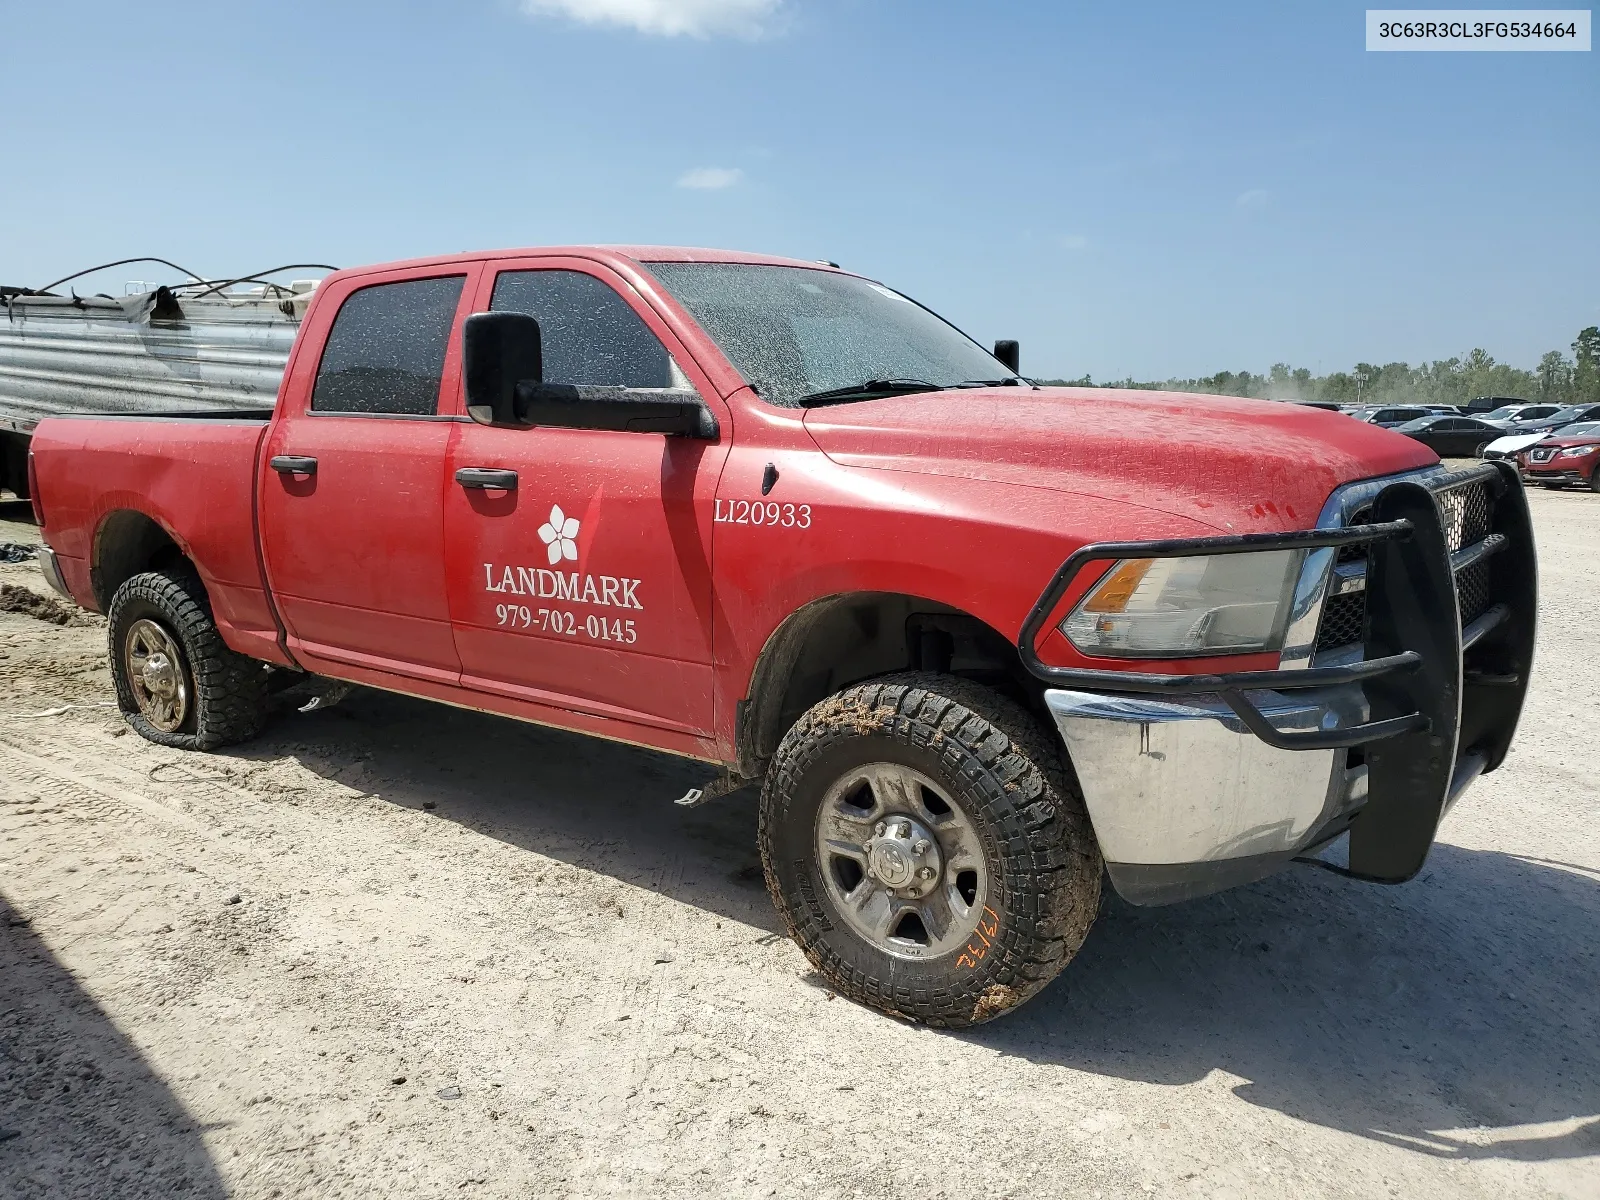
(980, 643)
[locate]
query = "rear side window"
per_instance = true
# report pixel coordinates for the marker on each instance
(589, 333)
(385, 353)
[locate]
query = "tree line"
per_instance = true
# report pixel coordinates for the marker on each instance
(1558, 379)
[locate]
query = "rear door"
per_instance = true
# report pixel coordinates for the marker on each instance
(585, 581)
(352, 493)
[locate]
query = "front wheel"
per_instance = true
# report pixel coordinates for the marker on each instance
(927, 849)
(1594, 480)
(178, 684)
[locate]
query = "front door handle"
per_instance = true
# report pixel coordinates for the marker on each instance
(294, 464)
(487, 477)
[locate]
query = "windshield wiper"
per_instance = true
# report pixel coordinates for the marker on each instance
(1010, 381)
(866, 390)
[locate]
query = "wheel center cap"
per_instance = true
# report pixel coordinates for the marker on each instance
(891, 864)
(904, 856)
(159, 676)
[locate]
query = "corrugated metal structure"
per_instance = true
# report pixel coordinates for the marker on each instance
(160, 351)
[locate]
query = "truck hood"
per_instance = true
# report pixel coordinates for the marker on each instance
(1240, 466)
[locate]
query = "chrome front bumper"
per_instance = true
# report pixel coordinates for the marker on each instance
(1185, 800)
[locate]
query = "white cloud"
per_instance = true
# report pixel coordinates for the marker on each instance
(710, 178)
(1072, 241)
(667, 18)
(1254, 198)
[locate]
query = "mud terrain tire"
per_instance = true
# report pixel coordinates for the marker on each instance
(223, 693)
(1002, 777)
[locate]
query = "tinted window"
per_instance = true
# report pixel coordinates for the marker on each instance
(589, 333)
(386, 351)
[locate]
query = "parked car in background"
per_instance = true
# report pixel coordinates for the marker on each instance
(1479, 405)
(1561, 418)
(1518, 416)
(1514, 443)
(1389, 416)
(1451, 437)
(1562, 459)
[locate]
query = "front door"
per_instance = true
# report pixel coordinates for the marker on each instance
(352, 487)
(584, 580)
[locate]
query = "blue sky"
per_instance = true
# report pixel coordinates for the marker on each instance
(1156, 190)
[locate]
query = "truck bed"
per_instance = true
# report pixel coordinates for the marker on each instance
(186, 478)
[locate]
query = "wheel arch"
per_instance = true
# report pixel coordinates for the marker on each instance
(128, 542)
(836, 641)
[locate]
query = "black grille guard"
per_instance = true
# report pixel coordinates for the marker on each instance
(1444, 701)
(1409, 549)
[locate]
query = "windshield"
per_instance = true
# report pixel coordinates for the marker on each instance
(1419, 423)
(1501, 414)
(793, 332)
(1582, 429)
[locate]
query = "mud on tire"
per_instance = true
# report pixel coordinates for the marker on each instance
(1000, 775)
(225, 693)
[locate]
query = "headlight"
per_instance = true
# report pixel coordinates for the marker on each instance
(1178, 607)
(1575, 451)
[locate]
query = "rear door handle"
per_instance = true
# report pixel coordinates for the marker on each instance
(294, 464)
(487, 477)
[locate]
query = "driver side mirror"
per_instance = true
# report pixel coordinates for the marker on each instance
(1009, 352)
(498, 351)
(502, 358)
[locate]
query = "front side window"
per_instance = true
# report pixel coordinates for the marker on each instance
(385, 353)
(589, 333)
(792, 332)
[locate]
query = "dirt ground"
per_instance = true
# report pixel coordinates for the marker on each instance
(394, 949)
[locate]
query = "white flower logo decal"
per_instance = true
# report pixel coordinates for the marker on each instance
(559, 533)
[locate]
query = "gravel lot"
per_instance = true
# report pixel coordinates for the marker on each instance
(394, 949)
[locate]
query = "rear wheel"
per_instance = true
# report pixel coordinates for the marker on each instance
(927, 848)
(178, 684)
(1482, 446)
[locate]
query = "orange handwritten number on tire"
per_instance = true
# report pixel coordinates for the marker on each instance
(988, 929)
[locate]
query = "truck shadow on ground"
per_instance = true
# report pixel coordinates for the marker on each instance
(1440, 1016)
(81, 1112)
